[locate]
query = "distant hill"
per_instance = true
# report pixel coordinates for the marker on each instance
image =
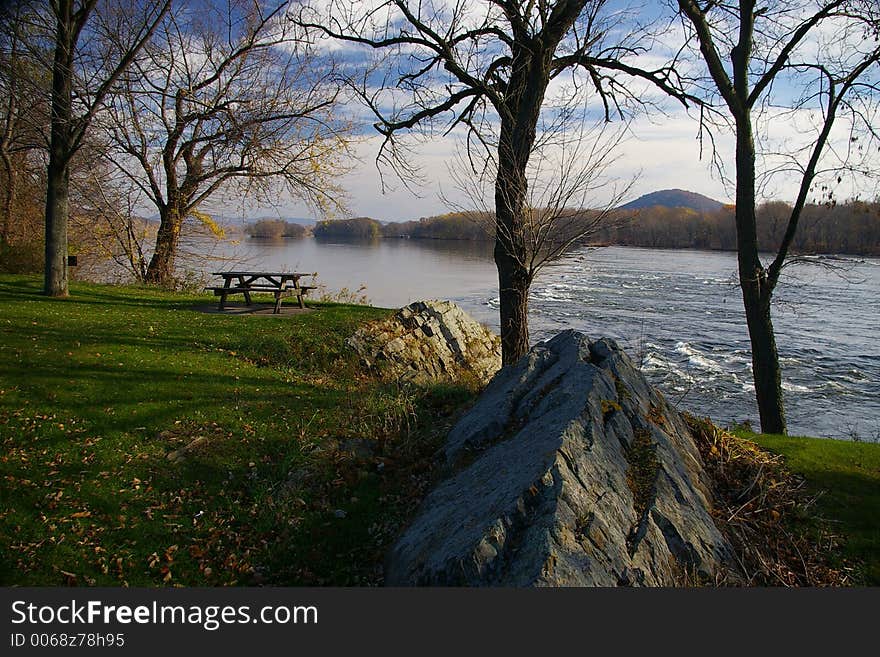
(675, 198)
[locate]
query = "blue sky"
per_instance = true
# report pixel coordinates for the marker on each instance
(662, 150)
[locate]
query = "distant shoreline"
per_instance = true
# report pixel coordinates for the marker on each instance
(830, 255)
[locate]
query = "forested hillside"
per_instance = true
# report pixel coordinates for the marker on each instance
(852, 228)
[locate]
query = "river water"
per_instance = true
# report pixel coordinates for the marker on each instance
(678, 312)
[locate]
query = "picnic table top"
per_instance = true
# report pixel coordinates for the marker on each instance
(275, 274)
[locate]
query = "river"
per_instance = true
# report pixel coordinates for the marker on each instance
(678, 312)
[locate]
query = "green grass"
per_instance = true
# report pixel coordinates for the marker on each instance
(308, 468)
(847, 477)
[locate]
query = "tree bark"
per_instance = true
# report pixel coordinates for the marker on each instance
(60, 147)
(526, 89)
(514, 299)
(6, 156)
(8, 198)
(11, 122)
(57, 206)
(514, 277)
(160, 271)
(514, 282)
(756, 288)
(765, 361)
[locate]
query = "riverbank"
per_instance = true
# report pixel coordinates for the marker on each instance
(144, 443)
(679, 311)
(856, 227)
(845, 477)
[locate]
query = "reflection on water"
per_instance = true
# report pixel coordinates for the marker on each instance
(393, 271)
(678, 312)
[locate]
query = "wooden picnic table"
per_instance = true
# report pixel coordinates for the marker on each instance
(280, 284)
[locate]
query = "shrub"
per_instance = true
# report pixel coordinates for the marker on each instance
(23, 258)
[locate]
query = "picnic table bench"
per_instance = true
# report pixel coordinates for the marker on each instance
(279, 284)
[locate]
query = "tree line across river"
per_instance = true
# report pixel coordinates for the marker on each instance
(846, 228)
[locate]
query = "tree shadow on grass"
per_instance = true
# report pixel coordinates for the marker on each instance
(140, 297)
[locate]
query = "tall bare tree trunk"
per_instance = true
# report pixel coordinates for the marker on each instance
(6, 156)
(765, 360)
(528, 84)
(67, 130)
(60, 147)
(11, 120)
(160, 271)
(8, 198)
(756, 289)
(514, 282)
(57, 205)
(511, 191)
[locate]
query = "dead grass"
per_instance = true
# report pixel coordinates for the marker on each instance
(766, 512)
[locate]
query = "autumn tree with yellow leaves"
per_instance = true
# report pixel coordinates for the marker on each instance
(224, 99)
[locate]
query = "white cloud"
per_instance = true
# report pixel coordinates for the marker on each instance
(665, 149)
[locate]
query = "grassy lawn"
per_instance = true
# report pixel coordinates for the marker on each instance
(847, 477)
(301, 467)
(300, 470)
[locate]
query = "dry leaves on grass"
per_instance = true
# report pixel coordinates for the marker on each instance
(766, 513)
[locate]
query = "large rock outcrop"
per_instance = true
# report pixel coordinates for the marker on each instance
(430, 340)
(570, 470)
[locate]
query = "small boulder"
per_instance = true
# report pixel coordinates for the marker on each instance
(429, 340)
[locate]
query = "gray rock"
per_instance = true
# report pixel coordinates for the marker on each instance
(429, 340)
(570, 470)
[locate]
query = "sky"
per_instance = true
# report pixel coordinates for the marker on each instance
(661, 150)
(665, 156)
(662, 157)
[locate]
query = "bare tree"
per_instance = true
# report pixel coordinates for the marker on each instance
(24, 111)
(104, 216)
(487, 67)
(566, 175)
(11, 119)
(92, 50)
(827, 52)
(225, 99)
